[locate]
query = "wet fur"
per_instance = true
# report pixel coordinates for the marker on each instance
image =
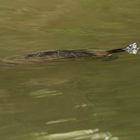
(46, 56)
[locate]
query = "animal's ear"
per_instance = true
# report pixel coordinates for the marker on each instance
(110, 58)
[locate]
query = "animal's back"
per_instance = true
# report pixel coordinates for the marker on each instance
(46, 56)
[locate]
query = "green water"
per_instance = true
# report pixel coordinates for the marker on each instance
(42, 100)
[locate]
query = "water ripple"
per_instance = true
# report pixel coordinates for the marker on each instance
(87, 134)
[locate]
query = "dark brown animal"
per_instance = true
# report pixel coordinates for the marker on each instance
(46, 56)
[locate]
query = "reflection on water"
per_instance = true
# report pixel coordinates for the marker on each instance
(85, 95)
(68, 100)
(44, 93)
(88, 134)
(61, 121)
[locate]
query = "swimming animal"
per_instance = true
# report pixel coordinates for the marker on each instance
(46, 56)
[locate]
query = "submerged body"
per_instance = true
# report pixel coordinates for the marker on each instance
(46, 56)
(66, 54)
(56, 55)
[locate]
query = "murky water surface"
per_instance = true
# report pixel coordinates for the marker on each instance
(76, 99)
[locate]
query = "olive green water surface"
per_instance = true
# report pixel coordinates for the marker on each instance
(60, 100)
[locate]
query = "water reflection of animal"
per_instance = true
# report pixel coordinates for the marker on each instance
(45, 56)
